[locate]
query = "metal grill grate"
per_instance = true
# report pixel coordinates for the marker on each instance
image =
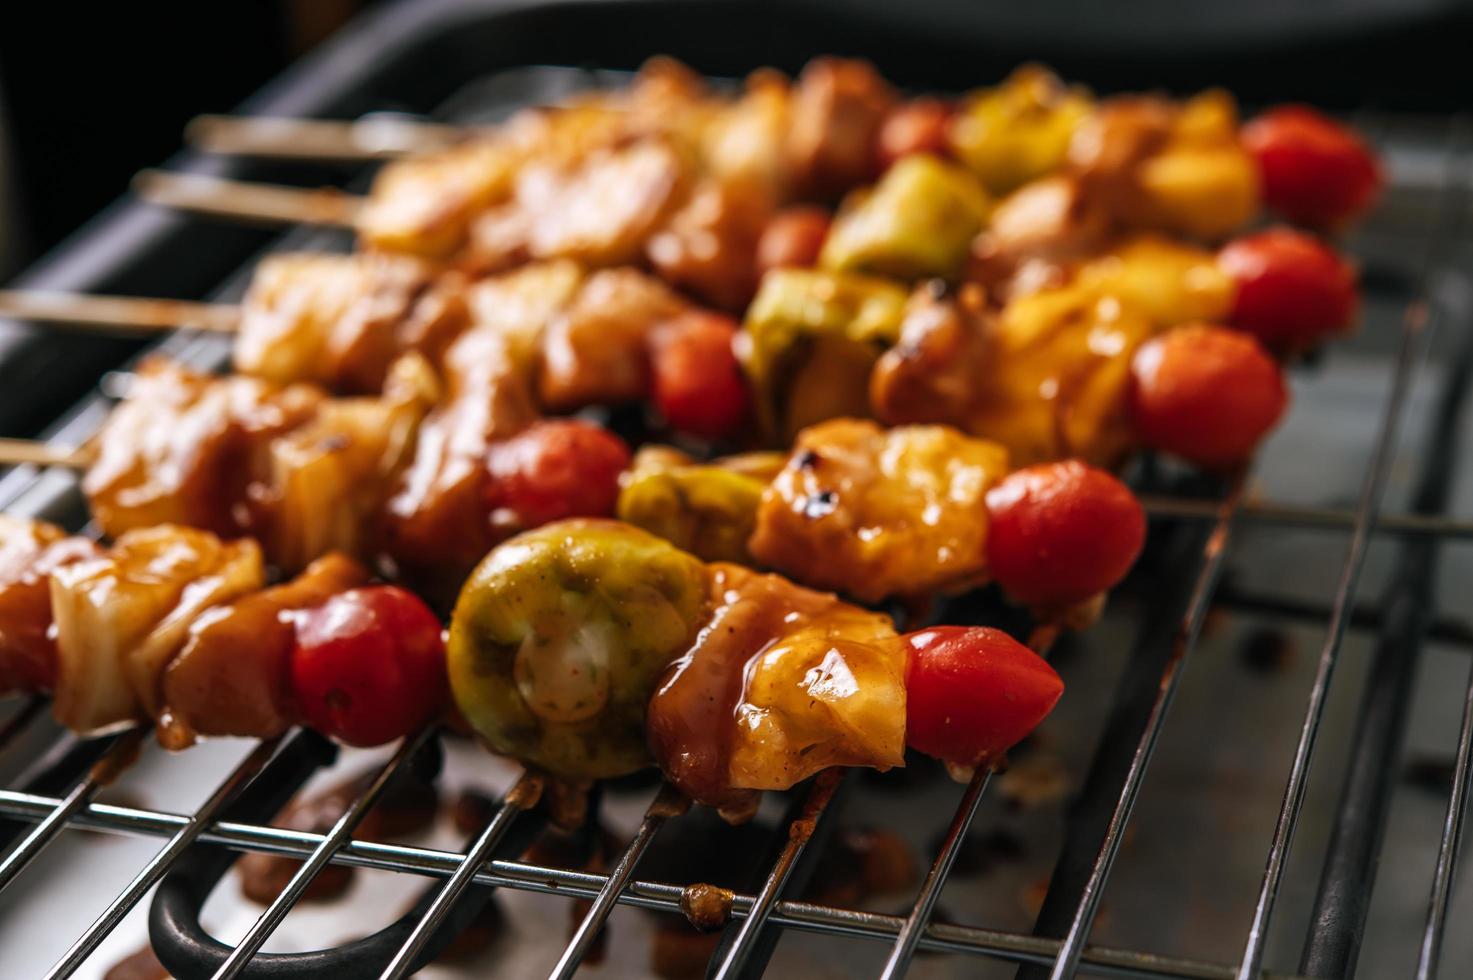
(58, 793)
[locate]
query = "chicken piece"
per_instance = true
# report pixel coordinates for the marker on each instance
(184, 447)
(781, 683)
(1179, 169)
(666, 98)
(232, 676)
(440, 314)
(1108, 144)
(600, 212)
(596, 352)
(424, 204)
(334, 320)
(917, 222)
(708, 509)
(559, 636)
(709, 247)
(1048, 377)
(123, 616)
(29, 552)
(838, 107)
(745, 142)
(437, 523)
(1034, 232)
(1203, 183)
(931, 374)
(328, 477)
(1020, 130)
(876, 513)
(1169, 282)
(519, 306)
(809, 343)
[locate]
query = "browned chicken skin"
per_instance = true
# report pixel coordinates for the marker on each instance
(184, 447)
(338, 320)
(876, 513)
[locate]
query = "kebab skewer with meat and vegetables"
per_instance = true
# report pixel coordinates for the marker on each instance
(1009, 188)
(872, 513)
(597, 179)
(1047, 374)
(587, 649)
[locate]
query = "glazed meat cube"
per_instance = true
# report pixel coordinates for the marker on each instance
(876, 513)
(184, 447)
(333, 320)
(122, 617)
(29, 552)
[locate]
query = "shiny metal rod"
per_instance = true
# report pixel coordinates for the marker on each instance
(259, 932)
(105, 770)
(1071, 951)
(520, 797)
(667, 803)
(1448, 848)
(653, 896)
(159, 864)
(925, 903)
(799, 832)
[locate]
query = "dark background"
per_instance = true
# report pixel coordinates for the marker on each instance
(95, 92)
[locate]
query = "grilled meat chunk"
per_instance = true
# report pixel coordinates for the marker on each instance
(876, 513)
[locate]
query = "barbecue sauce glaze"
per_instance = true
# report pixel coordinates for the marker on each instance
(781, 683)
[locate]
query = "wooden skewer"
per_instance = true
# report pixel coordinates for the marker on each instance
(371, 138)
(269, 204)
(20, 452)
(127, 314)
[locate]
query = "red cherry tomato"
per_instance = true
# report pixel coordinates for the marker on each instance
(1206, 394)
(972, 693)
(793, 239)
(918, 126)
(1315, 171)
(1292, 290)
(369, 665)
(554, 469)
(698, 383)
(1062, 533)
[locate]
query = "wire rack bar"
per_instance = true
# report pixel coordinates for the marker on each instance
(1288, 820)
(1214, 553)
(339, 835)
(652, 896)
(1448, 847)
(667, 803)
(1417, 322)
(1307, 518)
(800, 830)
(920, 913)
(1349, 870)
(123, 750)
(517, 799)
(160, 862)
(1442, 629)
